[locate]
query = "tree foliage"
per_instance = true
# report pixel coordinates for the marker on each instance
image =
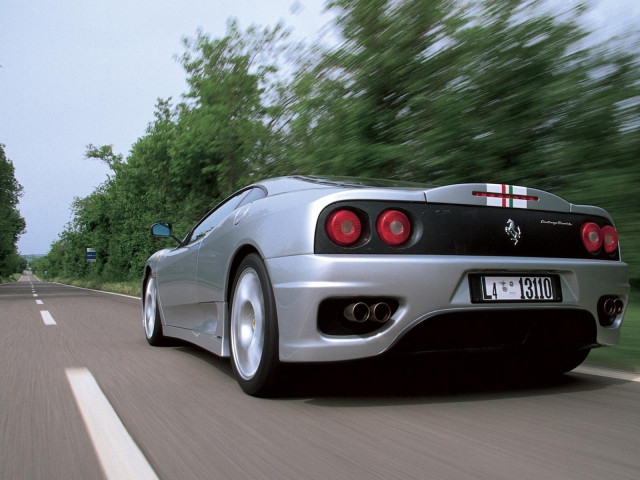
(440, 91)
(12, 225)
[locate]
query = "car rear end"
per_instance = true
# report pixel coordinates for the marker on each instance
(463, 267)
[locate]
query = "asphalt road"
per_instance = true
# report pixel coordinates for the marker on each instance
(189, 420)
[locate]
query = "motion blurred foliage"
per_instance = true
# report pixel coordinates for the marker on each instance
(12, 225)
(439, 91)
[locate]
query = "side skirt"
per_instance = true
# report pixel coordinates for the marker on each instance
(216, 342)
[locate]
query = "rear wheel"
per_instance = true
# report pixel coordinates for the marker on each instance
(546, 363)
(566, 361)
(151, 314)
(254, 329)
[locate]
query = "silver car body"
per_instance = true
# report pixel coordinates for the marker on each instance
(194, 279)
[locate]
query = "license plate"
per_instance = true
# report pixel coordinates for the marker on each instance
(524, 288)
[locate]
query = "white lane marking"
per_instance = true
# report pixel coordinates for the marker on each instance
(39, 302)
(99, 291)
(118, 454)
(606, 372)
(47, 318)
(35, 294)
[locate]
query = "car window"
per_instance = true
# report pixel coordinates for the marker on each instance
(216, 216)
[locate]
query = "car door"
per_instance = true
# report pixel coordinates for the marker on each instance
(176, 280)
(178, 269)
(217, 249)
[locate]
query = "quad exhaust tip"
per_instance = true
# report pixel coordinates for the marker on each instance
(380, 312)
(609, 307)
(360, 312)
(612, 307)
(357, 312)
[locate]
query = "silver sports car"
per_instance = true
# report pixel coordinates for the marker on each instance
(308, 269)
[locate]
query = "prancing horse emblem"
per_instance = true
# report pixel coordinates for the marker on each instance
(513, 231)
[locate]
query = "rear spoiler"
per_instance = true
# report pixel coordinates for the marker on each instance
(497, 195)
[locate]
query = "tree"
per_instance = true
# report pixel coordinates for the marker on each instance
(223, 123)
(12, 225)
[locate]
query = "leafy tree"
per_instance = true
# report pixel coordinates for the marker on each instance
(222, 127)
(12, 225)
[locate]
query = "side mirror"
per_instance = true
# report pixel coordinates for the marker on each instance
(161, 230)
(164, 230)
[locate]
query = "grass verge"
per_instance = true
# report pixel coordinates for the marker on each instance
(12, 278)
(126, 288)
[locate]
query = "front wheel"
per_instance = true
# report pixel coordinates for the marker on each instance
(151, 314)
(254, 329)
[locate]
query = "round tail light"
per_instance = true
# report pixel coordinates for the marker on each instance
(343, 227)
(393, 227)
(591, 237)
(609, 239)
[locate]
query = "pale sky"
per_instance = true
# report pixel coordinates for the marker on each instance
(79, 72)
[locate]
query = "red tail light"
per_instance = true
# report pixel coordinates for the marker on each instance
(591, 237)
(393, 227)
(343, 227)
(609, 239)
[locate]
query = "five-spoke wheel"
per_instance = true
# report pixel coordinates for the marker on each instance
(254, 328)
(151, 314)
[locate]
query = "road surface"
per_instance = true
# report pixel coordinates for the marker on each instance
(83, 396)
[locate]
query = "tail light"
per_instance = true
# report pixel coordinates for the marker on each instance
(591, 237)
(393, 227)
(594, 238)
(609, 239)
(343, 227)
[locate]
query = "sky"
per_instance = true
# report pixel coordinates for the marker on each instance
(74, 73)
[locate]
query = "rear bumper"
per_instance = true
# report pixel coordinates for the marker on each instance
(425, 287)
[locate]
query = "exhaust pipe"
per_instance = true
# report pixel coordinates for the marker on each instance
(619, 306)
(609, 307)
(357, 312)
(380, 312)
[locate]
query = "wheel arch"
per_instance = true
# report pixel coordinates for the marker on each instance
(145, 279)
(240, 255)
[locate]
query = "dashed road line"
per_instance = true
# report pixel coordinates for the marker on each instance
(118, 454)
(39, 302)
(47, 318)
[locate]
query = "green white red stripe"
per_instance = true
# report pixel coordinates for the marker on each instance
(507, 196)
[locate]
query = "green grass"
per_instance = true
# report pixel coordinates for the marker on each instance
(12, 278)
(126, 288)
(626, 355)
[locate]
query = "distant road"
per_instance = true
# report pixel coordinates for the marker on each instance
(82, 396)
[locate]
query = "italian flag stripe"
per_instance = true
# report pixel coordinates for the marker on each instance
(506, 196)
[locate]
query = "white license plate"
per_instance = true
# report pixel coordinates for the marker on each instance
(519, 289)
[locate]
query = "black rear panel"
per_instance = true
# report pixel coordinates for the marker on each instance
(500, 329)
(441, 229)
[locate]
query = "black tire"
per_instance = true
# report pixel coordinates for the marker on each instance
(567, 361)
(151, 320)
(253, 329)
(545, 363)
